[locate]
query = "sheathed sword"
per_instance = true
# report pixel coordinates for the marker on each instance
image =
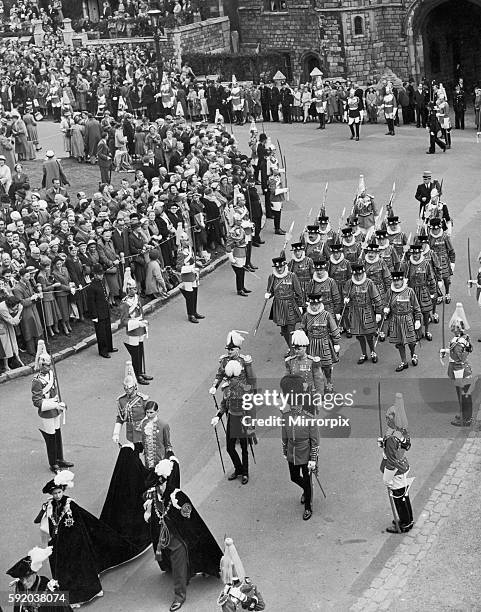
(315, 472)
(220, 452)
(470, 273)
(221, 418)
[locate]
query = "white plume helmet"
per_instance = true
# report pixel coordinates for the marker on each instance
(231, 565)
(234, 81)
(38, 556)
(459, 316)
(41, 354)
(64, 479)
(164, 468)
(232, 368)
(235, 338)
(128, 280)
(434, 192)
(398, 412)
(362, 185)
(129, 377)
(299, 338)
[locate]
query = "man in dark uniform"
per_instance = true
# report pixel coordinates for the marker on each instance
(423, 191)
(300, 442)
(275, 101)
(233, 346)
(255, 210)
(262, 155)
(99, 309)
(232, 405)
(302, 364)
(130, 409)
(434, 127)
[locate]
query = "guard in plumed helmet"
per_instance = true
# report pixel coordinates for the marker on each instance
(136, 327)
(233, 405)
(351, 247)
(324, 336)
(189, 276)
(394, 465)
(441, 245)
(302, 364)
(321, 284)
(364, 305)
(403, 313)
(397, 238)
(130, 408)
(286, 290)
(353, 222)
(420, 277)
(302, 266)
(364, 208)
(45, 398)
(459, 368)
(339, 269)
(182, 542)
(378, 272)
(437, 209)
(28, 582)
(239, 592)
(313, 241)
(236, 249)
(387, 253)
(233, 346)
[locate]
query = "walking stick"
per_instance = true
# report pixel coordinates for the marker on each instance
(220, 452)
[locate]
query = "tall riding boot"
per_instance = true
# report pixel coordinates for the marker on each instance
(30, 346)
(51, 450)
(59, 449)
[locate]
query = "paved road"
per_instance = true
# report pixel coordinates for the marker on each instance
(320, 565)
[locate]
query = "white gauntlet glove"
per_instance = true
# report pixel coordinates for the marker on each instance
(386, 311)
(311, 466)
(337, 348)
(267, 296)
(347, 300)
(116, 433)
(212, 390)
(417, 325)
(378, 318)
(214, 421)
(453, 265)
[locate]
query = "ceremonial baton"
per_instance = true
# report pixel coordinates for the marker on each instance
(470, 274)
(220, 452)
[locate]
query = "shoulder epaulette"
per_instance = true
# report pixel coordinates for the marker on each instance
(223, 357)
(143, 396)
(290, 358)
(314, 358)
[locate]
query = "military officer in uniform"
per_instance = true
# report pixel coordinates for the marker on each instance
(354, 114)
(233, 346)
(236, 249)
(390, 108)
(130, 409)
(131, 318)
(364, 208)
(324, 337)
(302, 364)
(46, 399)
(432, 258)
(232, 405)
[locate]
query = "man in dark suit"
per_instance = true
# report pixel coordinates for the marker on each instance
(275, 101)
(104, 159)
(255, 211)
(420, 106)
(423, 191)
(55, 189)
(98, 306)
(265, 102)
(262, 155)
(148, 169)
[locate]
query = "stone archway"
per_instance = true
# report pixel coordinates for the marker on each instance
(442, 34)
(309, 61)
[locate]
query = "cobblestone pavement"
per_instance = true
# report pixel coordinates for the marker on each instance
(406, 582)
